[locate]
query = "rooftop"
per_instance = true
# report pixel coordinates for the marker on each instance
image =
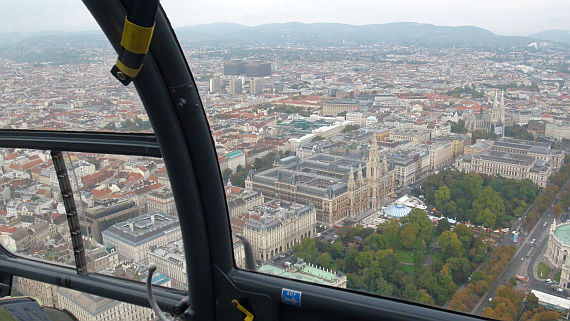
(142, 229)
(562, 232)
(397, 211)
(305, 272)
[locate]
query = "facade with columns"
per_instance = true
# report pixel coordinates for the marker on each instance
(276, 226)
(558, 244)
(558, 250)
(337, 186)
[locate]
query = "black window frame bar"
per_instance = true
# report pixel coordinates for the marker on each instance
(70, 211)
(137, 144)
(129, 291)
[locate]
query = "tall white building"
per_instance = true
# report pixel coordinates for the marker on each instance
(256, 86)
(235, 87)
(215, 84)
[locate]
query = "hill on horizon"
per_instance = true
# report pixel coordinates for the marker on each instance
(335, 34)
(553, 35)
(63, 46)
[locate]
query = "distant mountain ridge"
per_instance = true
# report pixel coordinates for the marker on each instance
(330, 34)
(61, 46)
(553, 35)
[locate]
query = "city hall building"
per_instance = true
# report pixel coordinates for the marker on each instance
(337, 186)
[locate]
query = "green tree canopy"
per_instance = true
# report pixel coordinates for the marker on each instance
(449, 244)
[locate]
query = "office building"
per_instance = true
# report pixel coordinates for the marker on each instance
(258, 69)
(333, 107)
(234, 87)
(161, 200)
(256, 86)
(133, 238)
(215, 84)
(234, 68)
(275, 227)
(105, 213)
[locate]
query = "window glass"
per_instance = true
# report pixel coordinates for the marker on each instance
(33, 219)
(384, 156)
(83, 306)
(128, 217)
(55, 75)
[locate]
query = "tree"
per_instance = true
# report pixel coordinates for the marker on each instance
(449, 244)
(459, 268)
(442, 226)
(374, 242)
(238, 178)
(306, 250)
(458, 127)
(489, 205)
(441, 195)
(408, 237)
(364, 259)
(349, 128)
(226, 175)
(337, 249)
(95, 161)
(317, 138)
(421, 222)
(531, 301)
(325, 260)
(384, 288)
(557, 210)
(486, 218)
(464, 234)
(387, 260)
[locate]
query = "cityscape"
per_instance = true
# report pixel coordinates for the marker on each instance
(433, 172)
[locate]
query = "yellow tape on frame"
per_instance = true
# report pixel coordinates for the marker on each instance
(136, 39)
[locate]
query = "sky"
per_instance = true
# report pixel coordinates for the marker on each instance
(504, 17)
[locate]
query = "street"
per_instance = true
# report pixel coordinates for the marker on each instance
(522, 263)
(525, 259)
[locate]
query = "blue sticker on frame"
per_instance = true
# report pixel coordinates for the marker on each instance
(291, 297)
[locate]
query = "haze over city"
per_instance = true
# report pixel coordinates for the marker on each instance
(509, 17)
